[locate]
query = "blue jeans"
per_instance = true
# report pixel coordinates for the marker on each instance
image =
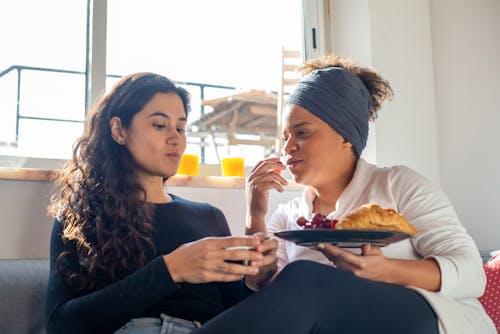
(165, 325)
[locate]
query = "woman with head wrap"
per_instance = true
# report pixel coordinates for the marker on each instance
(425, 284)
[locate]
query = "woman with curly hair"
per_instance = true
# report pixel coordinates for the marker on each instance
(425, 284)
(123, 250)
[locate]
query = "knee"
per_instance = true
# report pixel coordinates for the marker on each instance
(301, 267)
(316, 276)
(301, 272)
(299, 282)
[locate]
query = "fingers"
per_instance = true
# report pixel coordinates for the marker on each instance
(259, 182)
(268, 164)
(368, 264)
(220, 259)
(370, 250)
(233, 269)
(366, 249)
(268, 246)
(240, 254)
(221, 254)
(264, 254)
(226, 242)
(228, 264)
(266, 181)
(267, 242)
(229, 272)
(267, 268)
(266, 175)
(270, 260)
(261, 236)
(338, 255)
(231, 250)
(205, 261)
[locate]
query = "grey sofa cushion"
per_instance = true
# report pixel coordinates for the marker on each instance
(22, 295)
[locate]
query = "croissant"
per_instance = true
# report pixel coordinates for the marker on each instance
(374, 217)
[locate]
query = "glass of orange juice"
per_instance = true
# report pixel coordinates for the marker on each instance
(233, 166)
(189, 165)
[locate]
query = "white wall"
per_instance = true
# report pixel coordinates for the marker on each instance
(442, 58)
(24, 224)
(402, 51)
(394, 37)
(466, 54)
(26, 227)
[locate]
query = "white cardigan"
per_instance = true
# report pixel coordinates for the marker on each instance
(440, 236)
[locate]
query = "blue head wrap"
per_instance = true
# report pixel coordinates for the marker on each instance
(340, 99)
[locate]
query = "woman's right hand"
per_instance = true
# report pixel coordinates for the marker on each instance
(268, 266)
(205, 260)
(263, 177)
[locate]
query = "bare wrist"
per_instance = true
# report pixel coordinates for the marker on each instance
(255, 224)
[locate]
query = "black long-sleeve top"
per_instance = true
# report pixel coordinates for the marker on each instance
(149, 291)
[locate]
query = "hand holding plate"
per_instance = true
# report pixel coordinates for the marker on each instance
(370, 264)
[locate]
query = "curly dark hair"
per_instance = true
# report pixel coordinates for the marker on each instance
(377, 86)
(99, 200)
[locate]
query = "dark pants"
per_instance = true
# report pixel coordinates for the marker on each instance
(308, 297)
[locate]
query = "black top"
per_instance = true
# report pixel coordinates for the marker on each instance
(149, 291)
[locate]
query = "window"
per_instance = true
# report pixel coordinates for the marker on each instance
(214, 48)
(42, 66)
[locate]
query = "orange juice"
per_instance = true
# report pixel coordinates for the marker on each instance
(189, 165)
(233, 167)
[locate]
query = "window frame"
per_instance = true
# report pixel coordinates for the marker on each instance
(315, 15)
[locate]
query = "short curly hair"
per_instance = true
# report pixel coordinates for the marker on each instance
(377, 86)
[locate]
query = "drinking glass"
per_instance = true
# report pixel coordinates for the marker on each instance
(189, 165)
(233, 166)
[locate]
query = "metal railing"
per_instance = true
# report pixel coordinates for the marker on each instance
(19, 69)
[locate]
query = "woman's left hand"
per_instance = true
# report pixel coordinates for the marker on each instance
(370, 264)
(267, 266)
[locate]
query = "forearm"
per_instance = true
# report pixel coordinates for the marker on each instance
(255, 224)
(109, 308)
(423, 274)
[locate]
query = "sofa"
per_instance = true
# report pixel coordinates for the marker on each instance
(22, 295)
(23, 284)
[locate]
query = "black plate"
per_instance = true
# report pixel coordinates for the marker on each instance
(342, 238)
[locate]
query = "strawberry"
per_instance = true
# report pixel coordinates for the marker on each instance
(334, 223)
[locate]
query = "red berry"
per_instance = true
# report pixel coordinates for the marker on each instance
(318, 219)
(326, 223)
(334, 223)
(302, 221)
